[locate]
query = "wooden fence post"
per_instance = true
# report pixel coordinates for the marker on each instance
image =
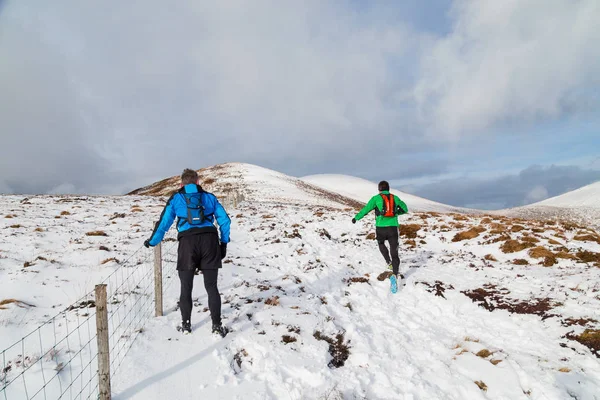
(103, 344)
(158, 290)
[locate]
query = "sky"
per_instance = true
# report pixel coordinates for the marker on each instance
(472, 103)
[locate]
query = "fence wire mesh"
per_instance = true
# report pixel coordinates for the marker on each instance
(59, 359)
(56, 360)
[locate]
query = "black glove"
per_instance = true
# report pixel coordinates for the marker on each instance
(223, 250)
(147, 243)
(353, 220)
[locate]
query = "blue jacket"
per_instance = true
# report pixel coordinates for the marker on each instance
(177, 207)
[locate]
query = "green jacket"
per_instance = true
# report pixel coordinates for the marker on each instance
(377, 202)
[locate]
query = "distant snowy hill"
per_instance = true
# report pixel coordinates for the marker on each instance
(587, 196)
(255, 183)
(581, 205)
(362, 190)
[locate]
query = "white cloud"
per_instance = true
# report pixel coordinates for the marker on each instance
(157, 86)
(64, 188)
(536, 194)
(510, 60)
(111, 94)
(5, 189)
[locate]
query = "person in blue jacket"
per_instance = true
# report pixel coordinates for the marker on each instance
(199, 244)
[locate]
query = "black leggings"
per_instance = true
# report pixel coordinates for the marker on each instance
(389, 233)
(210, 284)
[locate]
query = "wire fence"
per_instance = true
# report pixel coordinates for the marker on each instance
(59, 359)
(56, 360)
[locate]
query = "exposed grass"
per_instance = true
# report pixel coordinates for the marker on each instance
(438, 288)
(514, 246)
(481, 385)
(6, 302)
(338, 349)
(492, 298)
(411, 244)
(588, 256)
(498, 227)
(358, 279)
(384, 275)
(571, 226)
(485, 353)
(409, 231)
(565, 256)
(517, 228)
(549, 261)
(490, 257)
(96, 233)
(109, 260)
(117, 215)
(294, 329)
(65, 213)
(324, 233)
(239, 356)
(468, 234)
(272, 301)
(38, 230)
(565, 370)
(18, 303)
(520, 261)
(371, 236)
(589, 338)
(587, 238)
(578, 321)
(459, 217)
(540, 252)
(495, 362)
(16, 226)
(530, 239)
(288, 339)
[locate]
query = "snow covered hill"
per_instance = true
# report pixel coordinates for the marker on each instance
(254, 183)
(362, 190)
(587, 196)
(492, 307)
(581, 206)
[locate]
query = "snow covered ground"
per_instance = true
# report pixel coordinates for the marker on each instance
(492, 307)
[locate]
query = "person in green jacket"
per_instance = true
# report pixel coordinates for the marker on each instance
(387, 208)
